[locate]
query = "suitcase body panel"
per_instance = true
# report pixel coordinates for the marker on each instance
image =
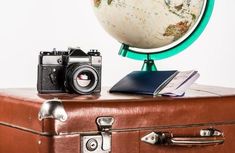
(122, 142)
(23, 130)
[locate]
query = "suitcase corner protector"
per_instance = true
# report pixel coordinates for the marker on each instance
(52, 109)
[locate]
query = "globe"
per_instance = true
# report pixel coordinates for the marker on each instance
(151, 30)
(154, 29)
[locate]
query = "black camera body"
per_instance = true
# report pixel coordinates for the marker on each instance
(72, 71)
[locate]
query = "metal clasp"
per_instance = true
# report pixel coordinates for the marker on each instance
(101, 142)
(210, 132)
(105, 126)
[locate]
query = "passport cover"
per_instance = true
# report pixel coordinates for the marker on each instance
(144, 82)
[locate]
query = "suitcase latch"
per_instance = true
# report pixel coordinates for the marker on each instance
(100, 143)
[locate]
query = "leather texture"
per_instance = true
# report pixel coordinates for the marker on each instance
(135, 116)
(13, 140)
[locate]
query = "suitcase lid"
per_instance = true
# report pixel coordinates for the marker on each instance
(70, 114)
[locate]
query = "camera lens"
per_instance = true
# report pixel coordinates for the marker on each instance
(82, 79)
(85, 78)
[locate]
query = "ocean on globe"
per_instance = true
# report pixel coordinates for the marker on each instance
(148, 24)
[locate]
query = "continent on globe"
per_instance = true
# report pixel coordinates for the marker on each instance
(177, 30)
(148, 24)
(97, 2)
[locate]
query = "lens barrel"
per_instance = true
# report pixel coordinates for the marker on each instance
(82, 79)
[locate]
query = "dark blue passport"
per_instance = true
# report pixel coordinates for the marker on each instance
(143, 82)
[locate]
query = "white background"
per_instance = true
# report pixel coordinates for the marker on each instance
(29, 26)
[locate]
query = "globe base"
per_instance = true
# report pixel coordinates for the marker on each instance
(149, 65)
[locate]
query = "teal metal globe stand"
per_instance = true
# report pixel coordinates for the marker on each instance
(149, 65)
(149, 58)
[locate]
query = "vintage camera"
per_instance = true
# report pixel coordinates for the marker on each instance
(71, 71)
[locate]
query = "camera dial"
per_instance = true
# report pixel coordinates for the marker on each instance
(93, 52)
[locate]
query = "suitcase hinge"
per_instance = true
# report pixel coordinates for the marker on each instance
(99, 143)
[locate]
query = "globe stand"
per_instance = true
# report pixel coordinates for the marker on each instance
(148, 65)
(141, 82)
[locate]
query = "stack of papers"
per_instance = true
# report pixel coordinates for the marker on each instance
(180, 83)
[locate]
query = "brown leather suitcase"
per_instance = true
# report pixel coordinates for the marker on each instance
(201, 122)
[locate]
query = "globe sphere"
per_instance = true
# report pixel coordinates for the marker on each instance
(148, 24)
